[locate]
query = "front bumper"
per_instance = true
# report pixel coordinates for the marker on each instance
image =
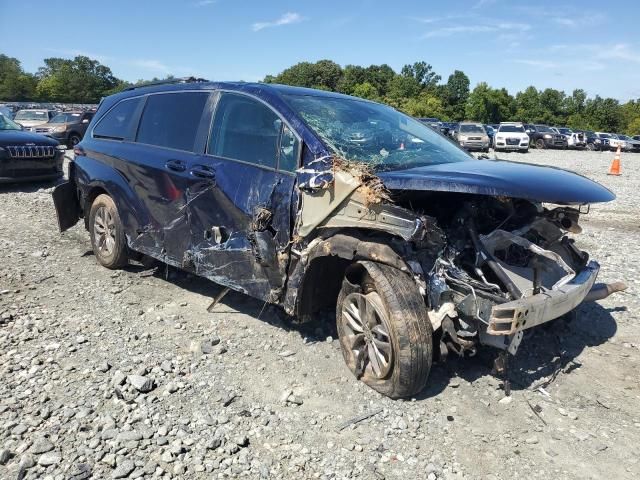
(512, 317)
(474, 144)
(30, 169)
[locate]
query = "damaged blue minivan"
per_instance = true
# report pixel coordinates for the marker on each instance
(314, 200)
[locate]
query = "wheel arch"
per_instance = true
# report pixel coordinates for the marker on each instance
(317, 278)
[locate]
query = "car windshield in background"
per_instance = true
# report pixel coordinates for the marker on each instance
(31, 115)
(7, 124)
(471, 129)
(375, 134)
(543, 129)
(565, 130)
(65, 118)
(511, 129)
(604, 135)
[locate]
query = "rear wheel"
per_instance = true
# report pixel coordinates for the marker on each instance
(384, 330)
(107, 234)
(540, 144)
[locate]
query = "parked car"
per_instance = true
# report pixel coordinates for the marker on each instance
(68, 127)
(610, 142)
(491, 132)
(543, 136)
(511, 136)
(632, 144)
(314, 200)
(26, 156)
(6, 111)
(592, 141)
(636, 137)
(31, 117)
(574, 139)
(472, 136)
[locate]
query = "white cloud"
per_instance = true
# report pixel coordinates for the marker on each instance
(621, 51)
(571, 20)
(286, 19)
(152, 65)
(205, 3)
(471, 29)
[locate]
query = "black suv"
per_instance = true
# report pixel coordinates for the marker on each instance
(543, 137)
(313, 200)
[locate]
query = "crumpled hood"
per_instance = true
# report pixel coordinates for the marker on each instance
(503, 178)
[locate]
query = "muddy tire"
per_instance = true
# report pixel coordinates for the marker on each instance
(107, 234)
(384, 331)
(540, 144)
(74, 139)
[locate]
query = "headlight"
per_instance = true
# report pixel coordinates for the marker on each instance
(462, 138)
(547, 135)
(61, 147)
(58, 129)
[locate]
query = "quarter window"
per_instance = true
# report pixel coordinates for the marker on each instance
(117, 123)
(172, 119)
(245, 129)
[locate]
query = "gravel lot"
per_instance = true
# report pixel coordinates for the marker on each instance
(125, 375)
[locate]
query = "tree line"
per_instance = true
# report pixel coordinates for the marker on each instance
(417, 90)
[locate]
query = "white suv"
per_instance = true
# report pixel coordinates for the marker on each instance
(511, 136)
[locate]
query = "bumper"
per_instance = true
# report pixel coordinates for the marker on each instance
(551, 143)
(67, 205)
(31, 178)
(474, 145)
(512, 317)
(504, 146)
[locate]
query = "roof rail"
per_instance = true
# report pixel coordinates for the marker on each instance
(168, 82)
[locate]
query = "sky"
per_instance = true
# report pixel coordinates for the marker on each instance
(587, 44)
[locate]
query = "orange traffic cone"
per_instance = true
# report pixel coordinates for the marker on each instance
(615, 165)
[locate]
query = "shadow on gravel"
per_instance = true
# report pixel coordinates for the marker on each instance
(544, 353)
(28, 187)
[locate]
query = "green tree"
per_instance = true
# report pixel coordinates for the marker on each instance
(15, 84)
(422, 73)
(81, 80)
(488, 105)
(456, 94)
(528, 108)
(424, 105)
(551, 103)
(323, 74)
(365, 90)
(604, 114)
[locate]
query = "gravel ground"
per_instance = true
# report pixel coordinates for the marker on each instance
(125, 375)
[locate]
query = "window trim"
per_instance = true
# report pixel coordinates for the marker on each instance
(193, 149)
(136, 116)
(277, 169)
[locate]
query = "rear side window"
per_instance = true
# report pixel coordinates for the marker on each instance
(171, 120)
(245, 129)
(117, 123)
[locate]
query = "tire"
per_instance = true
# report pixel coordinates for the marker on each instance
(524, 151)
(540, 144)
(110, 247)
(74, 139)
(395, 301)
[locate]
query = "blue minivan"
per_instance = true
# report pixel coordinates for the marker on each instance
(313, 200)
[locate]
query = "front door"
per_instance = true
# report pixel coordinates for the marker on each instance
(240, 206)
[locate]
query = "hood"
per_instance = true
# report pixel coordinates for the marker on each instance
(29, 123)
(19, 137)
(501, 178)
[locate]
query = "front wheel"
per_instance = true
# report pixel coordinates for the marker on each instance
(384, 329)
(540, 144)
(107, 234)
(74, 139)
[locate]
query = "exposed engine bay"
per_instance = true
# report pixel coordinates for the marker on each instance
(496, 252)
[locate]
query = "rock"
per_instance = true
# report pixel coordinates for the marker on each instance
(295, 400)
(104, 367)
(49, 458)
(27, 461)
(129, 436)
(166, 366)
(505, 400)
(5, 456)
(124, 468)
(213, 443)
(80, 339)
(572, 415)
(241, 441)
(531, 440)
(118, 378)
(81, 471)
(179, 469)
(41, 445)
(171, 387)
(140, 383)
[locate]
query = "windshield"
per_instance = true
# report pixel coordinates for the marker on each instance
(31, 115)
(511, 128)
(7, 124)
(544, 129)
(472, 129)
(604, 135)
(375, 134)
(623, 137)
(565, 130)
(65, 118)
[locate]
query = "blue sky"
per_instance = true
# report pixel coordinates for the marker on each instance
(587, 44)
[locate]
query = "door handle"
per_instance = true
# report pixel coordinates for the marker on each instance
(176, 165)
(203, 171)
